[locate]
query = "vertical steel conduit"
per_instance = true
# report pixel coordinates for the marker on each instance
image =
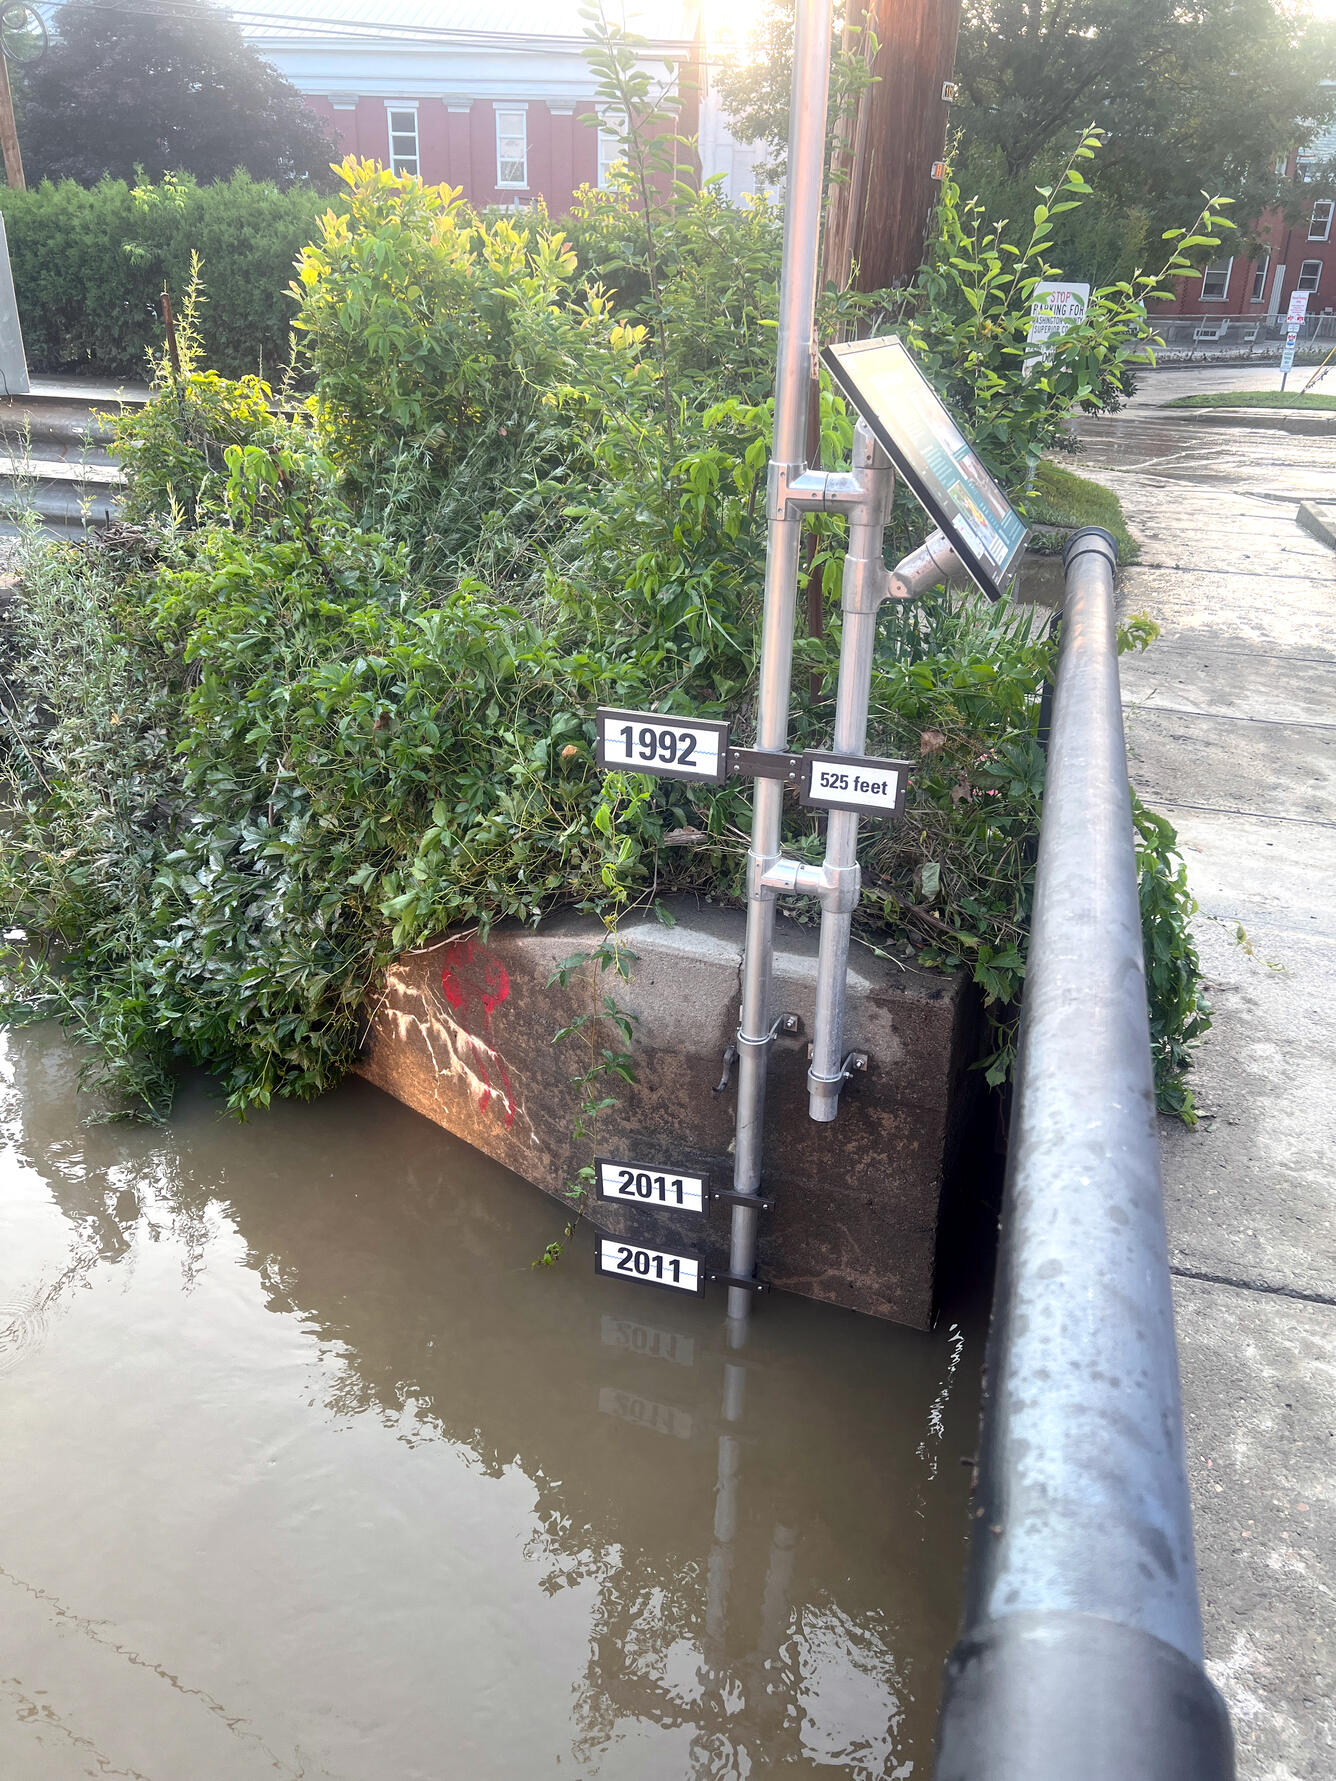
(1081, 1654)
(864, 589)
(793, 375)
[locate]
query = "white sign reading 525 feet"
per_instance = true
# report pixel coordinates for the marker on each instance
(854, 782)
(668, 747)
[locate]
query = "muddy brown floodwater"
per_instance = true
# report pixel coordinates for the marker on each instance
(305, 1471)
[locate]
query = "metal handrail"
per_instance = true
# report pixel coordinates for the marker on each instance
(1081, 1654)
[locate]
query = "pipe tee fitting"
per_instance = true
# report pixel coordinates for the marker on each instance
(836, 888)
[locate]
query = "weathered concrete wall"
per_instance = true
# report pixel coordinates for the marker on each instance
(463, 1033)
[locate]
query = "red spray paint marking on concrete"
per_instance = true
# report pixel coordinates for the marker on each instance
(474, 984)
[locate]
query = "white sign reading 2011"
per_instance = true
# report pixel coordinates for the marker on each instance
(668, 747)
(654, 1267)
(650, 1184)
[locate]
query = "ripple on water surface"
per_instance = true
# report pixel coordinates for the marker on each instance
(307, 1472)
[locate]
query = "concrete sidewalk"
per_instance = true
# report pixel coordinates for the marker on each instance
(1232, 734)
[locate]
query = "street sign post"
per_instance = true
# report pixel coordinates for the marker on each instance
(903, 427)
(1294, 321)
(1055, 306)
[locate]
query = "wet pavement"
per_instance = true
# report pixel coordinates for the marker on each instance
(1231, 720)
(307, 1471)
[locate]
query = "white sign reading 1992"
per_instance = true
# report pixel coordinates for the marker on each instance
(854, 782)
(653, 1267)
(650, 1184)
(668, 747)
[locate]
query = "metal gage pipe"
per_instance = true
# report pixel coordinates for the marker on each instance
(1082, 1652)
(793, 375)
(864, 588)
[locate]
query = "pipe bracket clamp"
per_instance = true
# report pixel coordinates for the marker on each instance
(793, 489)
(784, 1023)
(779, 481)
(843, 890)
(758, 867)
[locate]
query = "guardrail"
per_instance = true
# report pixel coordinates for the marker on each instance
(1081, 1654)
(1235, 336)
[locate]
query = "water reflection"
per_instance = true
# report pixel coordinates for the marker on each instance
(297, 1426)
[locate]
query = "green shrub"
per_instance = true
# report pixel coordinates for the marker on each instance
(353, 656)
(971, 313)
(90, 262)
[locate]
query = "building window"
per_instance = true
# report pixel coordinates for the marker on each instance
(512, 148)
(1215, 282)
(611, 146)
(1306, 165)
(1310, 275)
(403, 140)
(1319, 224)
(1259, 280)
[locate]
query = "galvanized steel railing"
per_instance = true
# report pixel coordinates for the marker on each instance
(1081, 1657)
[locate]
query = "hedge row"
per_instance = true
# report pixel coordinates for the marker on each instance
(89, 263)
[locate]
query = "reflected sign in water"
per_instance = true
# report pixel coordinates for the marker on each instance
(307, 1471)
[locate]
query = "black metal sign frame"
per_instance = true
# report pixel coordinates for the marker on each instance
(853, 767)
(669, 1255)
(605, 717)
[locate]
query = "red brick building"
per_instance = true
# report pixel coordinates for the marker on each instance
(496, 98)
(1299, 256)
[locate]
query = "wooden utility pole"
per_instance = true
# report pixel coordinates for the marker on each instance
(848, 161)
(9, 136)
(885, 169)
(900, 138)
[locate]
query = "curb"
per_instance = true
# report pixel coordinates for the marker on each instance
(1317, 524)
(1279, 420)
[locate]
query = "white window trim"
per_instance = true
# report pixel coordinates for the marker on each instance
(1261, 272)
(1325, 234)
(400, 106)
(616, 134)
(508, 108)
(1206, 273)
(1303, 271)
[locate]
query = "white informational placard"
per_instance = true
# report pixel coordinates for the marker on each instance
(652, 1267)
(1055, 306)
(667, 747)
(1298, 309)
(944, 472)
(853, 782)
(650, 1184)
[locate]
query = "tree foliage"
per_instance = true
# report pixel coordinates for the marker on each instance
(163, 88)
(1203, 98)
(1207, 98)
(970, 322)
(755, 91)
